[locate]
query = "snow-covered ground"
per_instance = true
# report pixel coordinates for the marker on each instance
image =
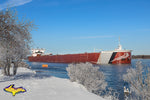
(43, 88)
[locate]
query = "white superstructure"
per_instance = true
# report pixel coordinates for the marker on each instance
(36, 52)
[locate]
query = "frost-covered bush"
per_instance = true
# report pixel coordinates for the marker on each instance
(139, 82)
(111, 94)
(15, 39)
(23, 64)
(87, 75)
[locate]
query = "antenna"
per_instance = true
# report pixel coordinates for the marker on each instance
(119, 40)
(119, 47)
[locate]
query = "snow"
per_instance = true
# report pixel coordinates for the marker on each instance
(43, 88)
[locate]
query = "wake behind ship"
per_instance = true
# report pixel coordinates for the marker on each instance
(117, 56)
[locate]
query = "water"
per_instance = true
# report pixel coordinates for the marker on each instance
(54, 69)
(113, 73)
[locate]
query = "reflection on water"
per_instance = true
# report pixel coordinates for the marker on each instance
(113, 73)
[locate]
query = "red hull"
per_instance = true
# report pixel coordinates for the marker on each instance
(95, 58)
(68, 58)
(121, 58)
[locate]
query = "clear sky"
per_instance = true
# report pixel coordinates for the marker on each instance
(75, 26)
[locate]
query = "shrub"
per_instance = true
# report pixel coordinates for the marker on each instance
(87, 75)
(139, 82)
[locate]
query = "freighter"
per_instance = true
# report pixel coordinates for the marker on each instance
(117, 56)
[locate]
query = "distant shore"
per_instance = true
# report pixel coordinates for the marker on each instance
(140, 56)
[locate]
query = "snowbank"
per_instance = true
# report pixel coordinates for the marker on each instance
(50, 88)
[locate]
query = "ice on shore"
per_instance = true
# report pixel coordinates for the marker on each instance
(44, 88)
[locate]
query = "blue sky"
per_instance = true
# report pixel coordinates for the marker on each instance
(75, 26)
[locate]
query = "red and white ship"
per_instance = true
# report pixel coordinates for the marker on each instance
(117, 56)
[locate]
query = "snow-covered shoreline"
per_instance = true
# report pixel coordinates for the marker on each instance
(50, 88)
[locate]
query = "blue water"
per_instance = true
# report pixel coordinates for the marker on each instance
(113, 73)
(54, 69)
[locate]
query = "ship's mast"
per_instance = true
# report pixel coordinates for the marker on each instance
(119, 41)
(119, 47)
